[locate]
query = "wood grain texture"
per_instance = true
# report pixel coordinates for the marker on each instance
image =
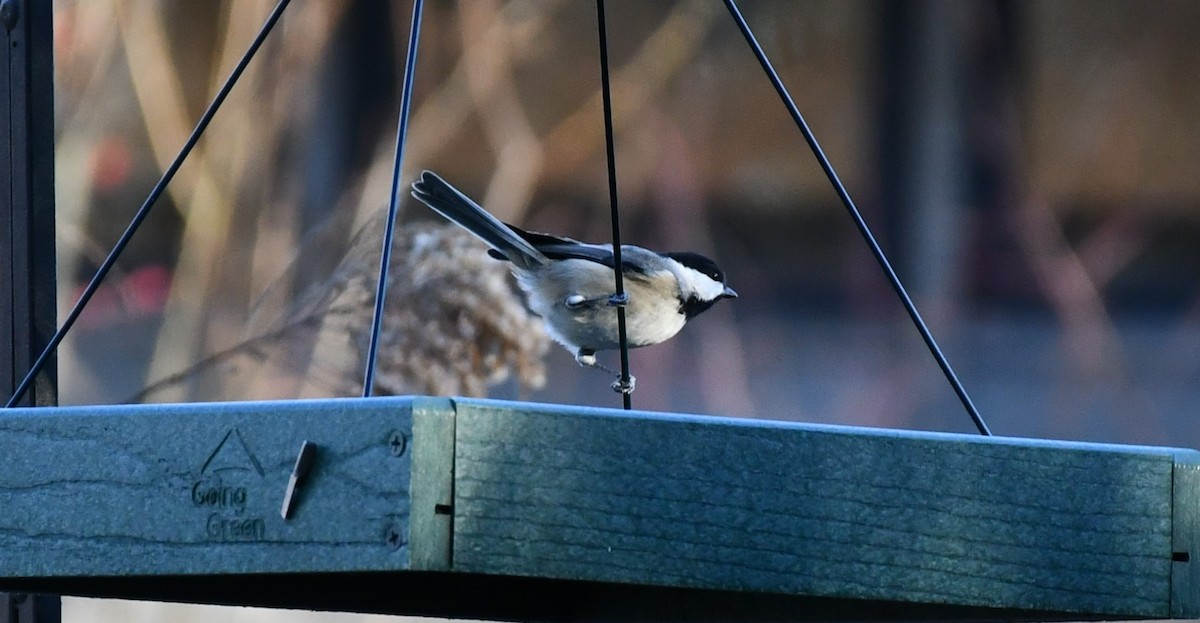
(188, 489)
(1185, 569)
(823, 511)
(432, 484)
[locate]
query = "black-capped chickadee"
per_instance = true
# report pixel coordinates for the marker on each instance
(570, 284)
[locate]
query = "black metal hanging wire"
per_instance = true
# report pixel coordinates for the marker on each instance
(144, 211)
(410, 66)
(624, 384)
(909, 306)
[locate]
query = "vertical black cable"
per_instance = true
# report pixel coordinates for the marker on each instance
(626, 398)
(858, 220)
(410, 67)
(143, 211)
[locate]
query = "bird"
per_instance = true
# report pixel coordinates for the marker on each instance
(571, 285)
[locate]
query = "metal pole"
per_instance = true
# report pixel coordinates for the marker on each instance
(27, 265)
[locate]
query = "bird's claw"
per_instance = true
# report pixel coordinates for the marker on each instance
(624, 385)
(618, 300)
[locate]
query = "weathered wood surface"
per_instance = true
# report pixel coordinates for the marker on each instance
(185, 489)
(1185, 579)
(605, 511)
(825, 511)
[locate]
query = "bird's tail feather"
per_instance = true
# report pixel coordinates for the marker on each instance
(451, 203)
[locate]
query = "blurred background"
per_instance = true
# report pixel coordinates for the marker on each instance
(1030, 167)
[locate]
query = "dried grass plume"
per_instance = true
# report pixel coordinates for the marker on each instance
(453, 325)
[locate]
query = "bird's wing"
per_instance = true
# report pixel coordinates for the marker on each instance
(559, 248)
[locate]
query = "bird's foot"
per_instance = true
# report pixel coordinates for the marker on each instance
(623, 385)
(587, 359)
(575, 301)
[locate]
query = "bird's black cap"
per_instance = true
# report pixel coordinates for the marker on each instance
(700, 263)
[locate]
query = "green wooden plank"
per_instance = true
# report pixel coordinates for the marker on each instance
(1185, 574)
(188, 489)
(822, 511)
(433, 483)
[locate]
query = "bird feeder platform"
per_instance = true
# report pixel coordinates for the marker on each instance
(487, 509)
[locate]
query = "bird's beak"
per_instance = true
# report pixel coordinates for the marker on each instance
(729, 293)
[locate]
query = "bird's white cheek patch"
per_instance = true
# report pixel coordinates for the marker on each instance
(705, 288)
